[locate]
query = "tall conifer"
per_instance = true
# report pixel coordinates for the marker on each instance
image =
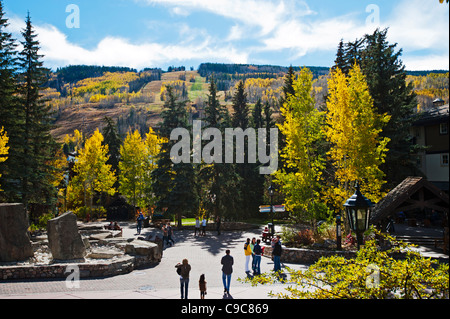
(38, 144)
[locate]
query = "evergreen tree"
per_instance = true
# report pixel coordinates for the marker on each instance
(288, 87)
(340, 61)
(257, 116)
(240, 107)
(288, 91)
(38, 144)
(11, 118)
(386, 77)
(113, 140)
(173, 184)
(217, 189)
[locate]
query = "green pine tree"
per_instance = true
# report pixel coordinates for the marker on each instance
(386, 76)
(11, 118)
(173, 184)
(38, 144)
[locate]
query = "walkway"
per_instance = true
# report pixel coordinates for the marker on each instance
(161, 281)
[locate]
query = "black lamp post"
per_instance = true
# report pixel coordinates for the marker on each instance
(271, 190)
(358, 209)
(338, 233)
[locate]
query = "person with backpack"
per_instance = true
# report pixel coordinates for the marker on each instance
(183, 271)
(140, 220)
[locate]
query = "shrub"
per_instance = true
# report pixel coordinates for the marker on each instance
(375, 273)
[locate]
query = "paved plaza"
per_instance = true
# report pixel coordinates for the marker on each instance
(161, 281)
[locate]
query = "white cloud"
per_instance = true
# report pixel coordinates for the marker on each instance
(289, 27)
(426, 62)
(266, 14)
(58, 51)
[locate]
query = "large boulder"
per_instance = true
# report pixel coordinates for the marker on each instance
(15, 244)
(64, 239)
(148, 249)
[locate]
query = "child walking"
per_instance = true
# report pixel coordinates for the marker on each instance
(202, 286)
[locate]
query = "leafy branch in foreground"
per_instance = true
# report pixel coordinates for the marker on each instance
(398, 272)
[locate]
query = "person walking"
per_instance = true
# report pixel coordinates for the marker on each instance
(169, 235)
(183, 270)
(202, 286)
(140, 220)
(257, 250)
(227, 269)
(247, 253)
(276, 252)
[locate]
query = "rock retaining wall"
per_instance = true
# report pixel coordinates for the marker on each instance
(307, 256)
(119, 266)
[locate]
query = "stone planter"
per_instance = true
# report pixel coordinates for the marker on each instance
(307, 256)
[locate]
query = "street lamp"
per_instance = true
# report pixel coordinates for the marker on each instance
(271, 190)
(358, 209)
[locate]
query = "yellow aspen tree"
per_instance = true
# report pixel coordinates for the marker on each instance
(353, 130)
(302, 128)
(133, 157)
(3, 148)
(92, 172)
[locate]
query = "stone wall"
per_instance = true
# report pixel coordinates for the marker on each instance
(122, 265)
(307, 256)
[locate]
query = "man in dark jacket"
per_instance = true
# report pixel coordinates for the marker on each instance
(276, 252)
(227, 269)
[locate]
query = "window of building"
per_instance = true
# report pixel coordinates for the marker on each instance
(444, 159)
(443, 128)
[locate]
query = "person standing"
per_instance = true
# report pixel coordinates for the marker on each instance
(248, 253)
(276, 252)
(164, 230)
(227, 269)
(204, 226)
(202, 286)
(197, 226)
(218, 222)
(257, 250)
(183, 270)
(252, 245)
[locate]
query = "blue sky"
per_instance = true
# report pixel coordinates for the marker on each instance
(160, 33)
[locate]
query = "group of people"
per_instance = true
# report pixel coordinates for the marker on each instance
(201, 231)
(254, 250)
(183, 270)
(251, 248)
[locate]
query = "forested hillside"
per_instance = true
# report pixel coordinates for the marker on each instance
(81, 96)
